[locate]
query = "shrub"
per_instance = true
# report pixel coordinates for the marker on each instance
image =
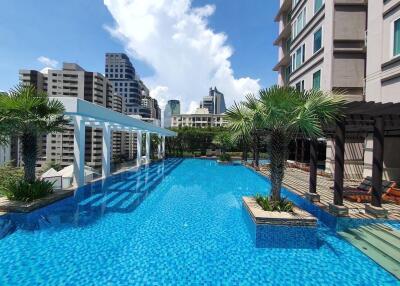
(267, 204)
(224, 158)
(26, 192)
(9, 174)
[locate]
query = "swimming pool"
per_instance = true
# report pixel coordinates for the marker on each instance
(174, 223)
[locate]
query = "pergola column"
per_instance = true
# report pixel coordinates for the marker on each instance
(79, 150)
(159, 147)
(139, 148)
(106, 154)
(163, 147)
(337, 207)
(312, 193)
(147, 147)
(377, 169)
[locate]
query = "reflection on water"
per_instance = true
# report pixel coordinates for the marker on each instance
(121, 193)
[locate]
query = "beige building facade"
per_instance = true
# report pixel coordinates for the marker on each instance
(74, 81)
(344, 46)
(200, 119)
(383, 75)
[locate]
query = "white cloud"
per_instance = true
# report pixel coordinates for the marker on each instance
(186, 54)
(47, 62)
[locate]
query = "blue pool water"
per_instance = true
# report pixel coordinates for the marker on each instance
(179, 222)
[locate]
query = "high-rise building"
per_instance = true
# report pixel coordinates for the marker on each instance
(214, 102)
(172, 108)
(322, 45)
(74, 81)
(120, 71)
(350, 46)
(382, 82)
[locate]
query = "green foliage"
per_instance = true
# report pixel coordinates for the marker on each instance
(28, 113)
(190, 140)
(27, 191)
(9, 174)
(283, 113)
(49, 165)
(269, 204)
(26, 110)
(223, 140)
(224, 157)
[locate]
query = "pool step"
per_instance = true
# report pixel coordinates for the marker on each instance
(380, 242)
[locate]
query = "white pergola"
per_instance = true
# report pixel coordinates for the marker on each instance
(84, 113)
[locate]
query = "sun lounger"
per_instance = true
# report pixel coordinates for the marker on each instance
(362, 193)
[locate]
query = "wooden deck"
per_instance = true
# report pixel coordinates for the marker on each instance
(297, 181)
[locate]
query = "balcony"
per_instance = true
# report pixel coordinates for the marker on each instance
(286, 7)
(285, 34)
(285, 61)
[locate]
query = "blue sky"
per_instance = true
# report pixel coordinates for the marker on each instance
(75, 31)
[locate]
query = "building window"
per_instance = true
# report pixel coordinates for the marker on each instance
(396, 38)
(294, 3)
(318, 40)
(288, 71)
(298, 57)
(318, 5)
(299, 23)
(300, 86)
(317, 80)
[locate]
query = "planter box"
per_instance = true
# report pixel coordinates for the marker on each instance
(25, 207)
(280, 229)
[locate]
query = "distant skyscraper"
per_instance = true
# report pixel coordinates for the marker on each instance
(120, 71)
(173, 107)
(214, 102)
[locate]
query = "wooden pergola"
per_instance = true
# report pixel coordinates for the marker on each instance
(380, 119)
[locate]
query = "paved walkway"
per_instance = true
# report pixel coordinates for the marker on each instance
(297, 181)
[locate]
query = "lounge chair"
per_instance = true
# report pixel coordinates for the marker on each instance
(362, 193)
(392, 195)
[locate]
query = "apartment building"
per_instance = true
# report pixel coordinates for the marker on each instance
(200, 119)
(383, 75)
(73, 80)
(322, 46)
(151, 104)
(347, 46)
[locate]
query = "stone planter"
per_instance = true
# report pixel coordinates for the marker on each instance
(25, 207)
(295, 229)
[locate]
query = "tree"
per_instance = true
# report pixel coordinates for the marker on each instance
(223, 141)
(287, 112)
(244, 120)
(28, 113)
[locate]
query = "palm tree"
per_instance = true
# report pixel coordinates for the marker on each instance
(287, 112)
(223, 140)
(28, 113)
(244, 121)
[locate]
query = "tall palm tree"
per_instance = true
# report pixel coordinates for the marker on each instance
(28, 113)
(223, 140)
(244, 120)
(287, 112)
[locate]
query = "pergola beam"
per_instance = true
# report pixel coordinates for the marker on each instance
(84, 113)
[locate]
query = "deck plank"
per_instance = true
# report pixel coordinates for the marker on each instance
(297, 181)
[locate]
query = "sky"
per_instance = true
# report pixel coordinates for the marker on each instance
(179, 47)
